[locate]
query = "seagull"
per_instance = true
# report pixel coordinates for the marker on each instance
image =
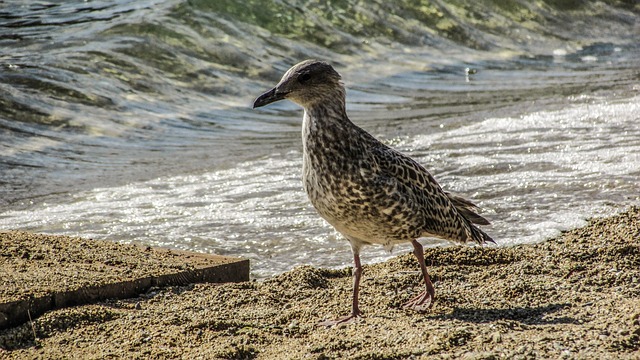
(369, 192)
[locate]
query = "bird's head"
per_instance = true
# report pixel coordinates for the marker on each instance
(305, 84)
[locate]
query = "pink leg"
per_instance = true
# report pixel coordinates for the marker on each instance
(355, 310)
(424, 300)
(357, 274)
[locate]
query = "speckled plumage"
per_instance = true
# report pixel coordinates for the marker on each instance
(371, 193)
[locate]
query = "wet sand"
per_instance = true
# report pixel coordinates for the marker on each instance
(576, 296)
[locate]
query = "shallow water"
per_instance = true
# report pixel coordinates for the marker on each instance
(133, 122)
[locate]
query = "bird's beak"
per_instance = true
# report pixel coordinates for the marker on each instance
(267, 98)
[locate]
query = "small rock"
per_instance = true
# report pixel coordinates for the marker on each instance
(496, 337)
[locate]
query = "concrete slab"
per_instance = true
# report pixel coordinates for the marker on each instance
(41, 272)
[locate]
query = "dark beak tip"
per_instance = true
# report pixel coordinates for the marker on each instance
(260, 102)
(267, 98)
(256, 103)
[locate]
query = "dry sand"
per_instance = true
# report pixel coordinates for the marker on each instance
(577, 296)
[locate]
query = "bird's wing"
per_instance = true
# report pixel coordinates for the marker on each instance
(438, 214)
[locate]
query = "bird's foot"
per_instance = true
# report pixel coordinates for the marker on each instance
(349, 319)
(420, 303)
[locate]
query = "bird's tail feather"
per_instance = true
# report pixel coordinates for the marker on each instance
(467, 209)
(480, 236)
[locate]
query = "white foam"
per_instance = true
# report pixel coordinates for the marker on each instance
(557, 167)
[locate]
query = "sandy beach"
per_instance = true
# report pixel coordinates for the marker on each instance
(576, 297)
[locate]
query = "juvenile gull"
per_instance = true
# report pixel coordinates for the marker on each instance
(369, 192)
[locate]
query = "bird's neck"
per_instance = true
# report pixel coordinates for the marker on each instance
(326, 121)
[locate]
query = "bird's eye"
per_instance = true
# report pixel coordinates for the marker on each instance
(304, 78)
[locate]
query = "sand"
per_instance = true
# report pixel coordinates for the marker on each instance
(576, 296)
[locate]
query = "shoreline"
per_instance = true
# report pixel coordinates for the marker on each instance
(575, 296)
